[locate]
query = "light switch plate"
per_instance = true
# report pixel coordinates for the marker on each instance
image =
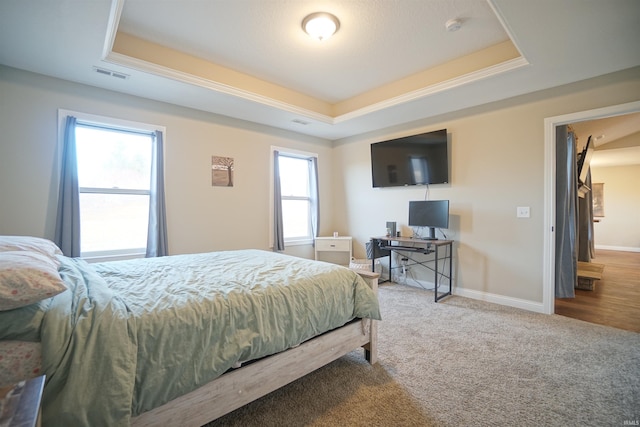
(522, 212)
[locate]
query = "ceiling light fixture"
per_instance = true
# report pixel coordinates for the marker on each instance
(320, 25)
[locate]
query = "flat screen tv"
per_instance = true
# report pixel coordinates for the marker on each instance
(411, 160)
(429, 213)
(584, 162)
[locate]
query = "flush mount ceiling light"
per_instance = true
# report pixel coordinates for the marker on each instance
(320, 25)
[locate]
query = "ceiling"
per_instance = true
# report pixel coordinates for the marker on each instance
(611, 149)
(391, 62)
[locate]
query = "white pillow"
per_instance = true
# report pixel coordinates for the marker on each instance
(26, 278)
(29, 243)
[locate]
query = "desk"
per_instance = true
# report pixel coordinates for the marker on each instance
(384, 246)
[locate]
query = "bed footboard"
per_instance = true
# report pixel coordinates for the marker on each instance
(371, 348)
(252, 381)
(241, 386)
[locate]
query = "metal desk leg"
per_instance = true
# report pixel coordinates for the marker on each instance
(450, 256)
(390, 263)
(436, 274)
(450, 268)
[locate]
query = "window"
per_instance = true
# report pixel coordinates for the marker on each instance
(114, 176)
(298, 196)
(111, 195)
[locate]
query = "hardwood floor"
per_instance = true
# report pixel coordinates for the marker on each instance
(615, 300)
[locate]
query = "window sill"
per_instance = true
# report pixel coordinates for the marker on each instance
(115, 257)
(298, 242)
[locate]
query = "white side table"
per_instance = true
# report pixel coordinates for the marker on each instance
(337, 250)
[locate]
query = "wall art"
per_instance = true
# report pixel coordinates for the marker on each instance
(222, 171)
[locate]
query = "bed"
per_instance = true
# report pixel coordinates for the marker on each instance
(182, 339)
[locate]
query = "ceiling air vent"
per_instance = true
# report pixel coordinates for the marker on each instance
(111, 73)
(300, 122)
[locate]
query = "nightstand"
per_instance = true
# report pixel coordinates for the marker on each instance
(337, 250)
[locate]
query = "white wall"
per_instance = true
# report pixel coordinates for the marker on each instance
(619, 229)
(200, 217)
(497, 156)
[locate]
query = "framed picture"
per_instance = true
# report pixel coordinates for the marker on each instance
(222, 171)
(598, 199)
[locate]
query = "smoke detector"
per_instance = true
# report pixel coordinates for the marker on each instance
(453, 25)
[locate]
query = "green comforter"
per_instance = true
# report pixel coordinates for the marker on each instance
(129, 336)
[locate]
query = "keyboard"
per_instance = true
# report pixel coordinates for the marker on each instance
(408, 248)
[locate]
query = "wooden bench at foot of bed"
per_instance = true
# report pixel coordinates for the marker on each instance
(254, 380)
(588, 273)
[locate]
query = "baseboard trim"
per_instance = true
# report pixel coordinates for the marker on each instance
(537, 307)
(617, 248)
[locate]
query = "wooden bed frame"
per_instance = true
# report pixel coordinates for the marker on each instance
(252, 381)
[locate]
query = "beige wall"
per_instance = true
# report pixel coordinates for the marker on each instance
(497, 154)
(620, 227)
(497, 159)
(200, 217)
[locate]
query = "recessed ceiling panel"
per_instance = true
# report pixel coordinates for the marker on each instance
(379, 41)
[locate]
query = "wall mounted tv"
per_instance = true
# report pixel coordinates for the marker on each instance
(411, 160)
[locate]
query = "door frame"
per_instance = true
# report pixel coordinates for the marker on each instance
(549, 243)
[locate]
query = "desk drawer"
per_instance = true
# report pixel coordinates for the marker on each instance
(332, 245)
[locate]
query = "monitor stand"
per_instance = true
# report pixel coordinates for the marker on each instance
(432, 234)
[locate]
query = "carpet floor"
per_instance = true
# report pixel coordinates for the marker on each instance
(463, 362)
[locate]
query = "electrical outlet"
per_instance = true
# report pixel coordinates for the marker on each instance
(522, 212)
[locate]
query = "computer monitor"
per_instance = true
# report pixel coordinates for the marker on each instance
(429, 213)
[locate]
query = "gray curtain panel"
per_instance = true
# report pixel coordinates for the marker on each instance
(566, 214)
(586, 247)
(67, 235)
(278, 234)
(157, 244)
(315, 198)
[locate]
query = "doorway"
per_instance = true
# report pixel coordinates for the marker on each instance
(549, 188)
(614, 300)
